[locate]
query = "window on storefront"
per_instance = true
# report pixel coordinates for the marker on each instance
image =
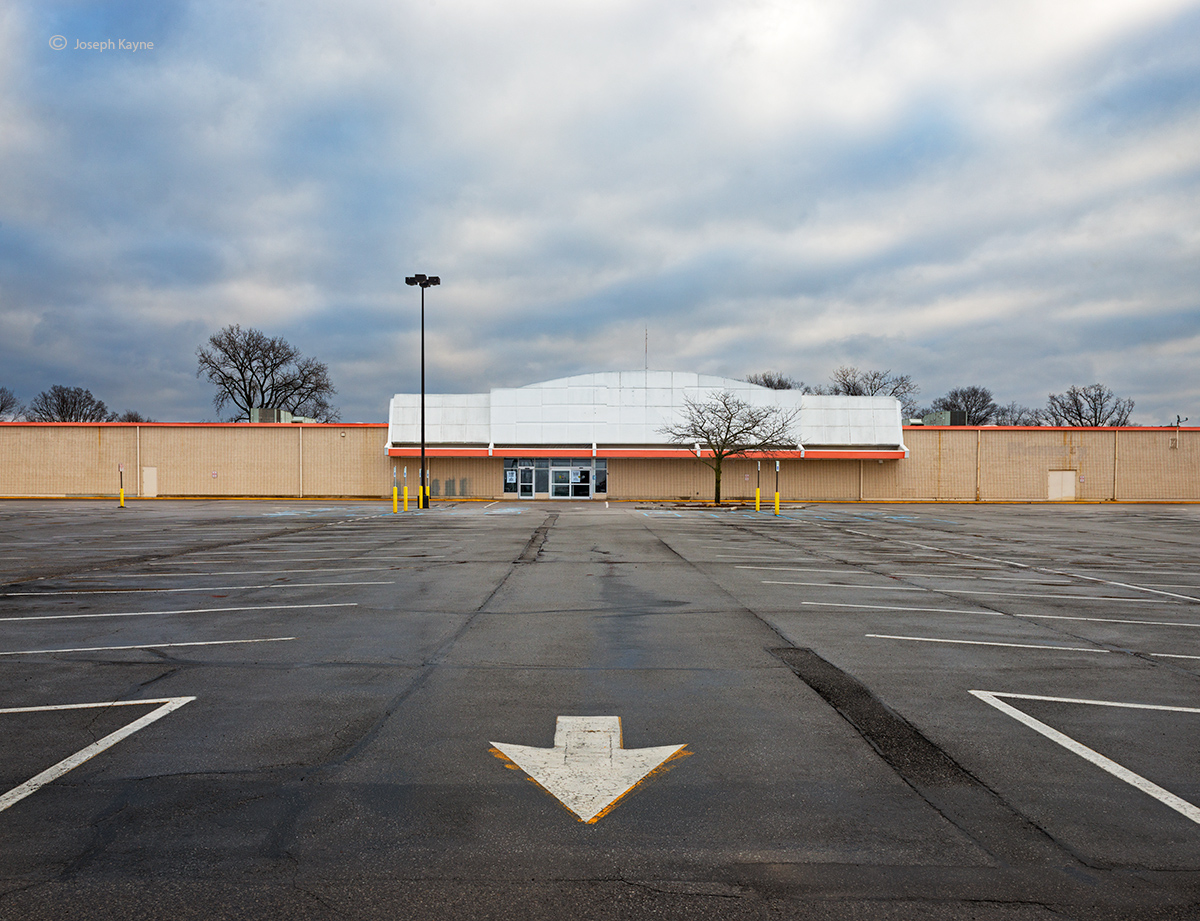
(557, 477)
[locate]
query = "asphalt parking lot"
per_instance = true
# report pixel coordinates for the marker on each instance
(321, 710)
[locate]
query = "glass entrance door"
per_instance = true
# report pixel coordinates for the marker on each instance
(556, 477)
(581, 482)
(571, 479)
(560, 483)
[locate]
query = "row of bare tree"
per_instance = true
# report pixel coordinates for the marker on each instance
(1090, 405)
(62, 404)
(248, 368)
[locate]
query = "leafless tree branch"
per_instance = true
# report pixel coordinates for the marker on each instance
(68, 404)
(1093, 405)
(728, 426)
(976, 402)
(10, 409)
(250, 369)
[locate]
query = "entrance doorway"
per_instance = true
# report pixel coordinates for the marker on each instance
(571, 479)
(555, 477)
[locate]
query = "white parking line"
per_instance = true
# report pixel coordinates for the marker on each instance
(35, 783)
(933, 639)
(972, 577)
(1131, 572)
(39, 652)
(728, 558)
(888, 588)
(1131, 587)
(844, 572)
(889, 607)
(1182, 806)
(283, 559)
(332, 544)
(1055, 572)
(957, 591)
(210, 588)
(1109, 620)
(241, 572)
(261, 607)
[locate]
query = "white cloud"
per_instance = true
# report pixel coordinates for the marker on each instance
(765, 184)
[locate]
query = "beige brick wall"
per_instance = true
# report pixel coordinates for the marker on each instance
(458, 477)
(70, 460)
(259, 460)
(1159, 465)
(951, 464)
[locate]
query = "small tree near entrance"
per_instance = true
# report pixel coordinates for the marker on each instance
(728, 426)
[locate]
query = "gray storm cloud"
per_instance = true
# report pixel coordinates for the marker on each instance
(968, 193)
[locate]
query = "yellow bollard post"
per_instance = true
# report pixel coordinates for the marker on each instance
(122, 497)
(757, 499)
(406, 497)
(776, 503)
(395, 500)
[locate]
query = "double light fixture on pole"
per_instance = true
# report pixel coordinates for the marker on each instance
(425, 281)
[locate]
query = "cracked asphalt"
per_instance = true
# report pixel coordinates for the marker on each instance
(338, 674)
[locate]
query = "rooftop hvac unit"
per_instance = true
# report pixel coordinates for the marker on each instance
(946, 417)
(269, 414)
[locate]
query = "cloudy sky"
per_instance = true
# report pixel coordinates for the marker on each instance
(995, 193)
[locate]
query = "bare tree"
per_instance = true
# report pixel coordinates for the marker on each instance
(131, 415)
(10, 409)
(777, 380)
(1016, 414)
(68, 404)
(853, 382)
(976, 402)
(250, 369)
(773, 380)
(1093, 405)
(728, 426)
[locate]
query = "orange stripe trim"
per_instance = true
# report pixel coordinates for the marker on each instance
(659, 453)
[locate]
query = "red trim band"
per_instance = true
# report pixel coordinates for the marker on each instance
(651, 453)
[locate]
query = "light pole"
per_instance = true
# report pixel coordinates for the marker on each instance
(422, 483)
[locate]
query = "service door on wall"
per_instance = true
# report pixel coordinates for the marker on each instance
(1061, 485)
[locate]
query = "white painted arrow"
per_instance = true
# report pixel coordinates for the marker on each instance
(587, 770)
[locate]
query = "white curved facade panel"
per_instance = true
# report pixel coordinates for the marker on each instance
(626, 408)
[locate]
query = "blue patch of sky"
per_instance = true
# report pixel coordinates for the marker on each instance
(1124, 331)
(323, 141)
(1150, 77)
(38, 267)
(175, 260)
(135, 20)
(926, 138)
